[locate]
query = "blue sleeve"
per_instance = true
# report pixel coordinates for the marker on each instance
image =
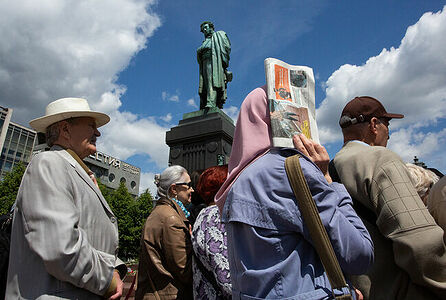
(350, 239)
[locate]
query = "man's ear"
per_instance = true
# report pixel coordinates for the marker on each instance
(373, 126)
(65, 130)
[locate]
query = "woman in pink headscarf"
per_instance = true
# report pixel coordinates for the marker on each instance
(270, 251)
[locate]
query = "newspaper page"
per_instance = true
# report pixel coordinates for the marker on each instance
(290, 91)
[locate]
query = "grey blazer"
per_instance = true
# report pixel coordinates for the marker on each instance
(64, 235)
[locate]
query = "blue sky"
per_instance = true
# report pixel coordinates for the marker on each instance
(136, 60)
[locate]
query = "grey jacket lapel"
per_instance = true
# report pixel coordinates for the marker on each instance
(85, 178)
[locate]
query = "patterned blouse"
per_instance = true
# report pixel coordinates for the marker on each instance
(209, 243)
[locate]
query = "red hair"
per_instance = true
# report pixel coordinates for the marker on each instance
(210, 182)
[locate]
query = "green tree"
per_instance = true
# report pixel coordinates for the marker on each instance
(9, 187)
(139, 212)
(145, 206)
(131, 214)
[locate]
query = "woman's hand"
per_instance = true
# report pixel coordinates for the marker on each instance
(313, 151)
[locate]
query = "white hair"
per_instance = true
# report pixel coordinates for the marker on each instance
(169, 176)
(422, 178)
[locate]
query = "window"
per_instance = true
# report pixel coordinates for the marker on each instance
(111, 177)
(7, 166)
(22, 140)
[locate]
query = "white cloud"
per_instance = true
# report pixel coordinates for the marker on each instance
(167, 118)
(410, 142)
(409, 79)
(232, 112)
(54, 49)
(147, 182)
(166, 96)
(191, 102)
(127, 135)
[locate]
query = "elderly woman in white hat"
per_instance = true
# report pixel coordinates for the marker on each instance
(64, 235)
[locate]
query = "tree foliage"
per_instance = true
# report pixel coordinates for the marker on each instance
(131, 214)
(9, 187)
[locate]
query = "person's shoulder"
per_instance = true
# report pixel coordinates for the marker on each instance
(366, 152)
(261, 169)
(205, 215)
(165, 213)
(162, 208)
(209, 212)
(439, 187)
(384, 156)
(221, 33)
(52, 158)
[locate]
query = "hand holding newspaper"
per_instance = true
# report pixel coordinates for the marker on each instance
(290, 91)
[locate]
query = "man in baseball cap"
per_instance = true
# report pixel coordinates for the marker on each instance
(64, 241)
(410, 255)
(362, 112)
(363, 109)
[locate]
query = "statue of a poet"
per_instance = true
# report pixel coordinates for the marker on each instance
(213, 58)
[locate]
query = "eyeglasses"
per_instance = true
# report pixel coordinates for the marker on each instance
(189, 184)
(384, 121)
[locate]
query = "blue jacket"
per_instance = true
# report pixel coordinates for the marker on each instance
(270, 251)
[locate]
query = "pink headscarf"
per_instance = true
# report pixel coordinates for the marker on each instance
(252, 139)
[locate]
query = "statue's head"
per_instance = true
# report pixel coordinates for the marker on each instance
(207, 27)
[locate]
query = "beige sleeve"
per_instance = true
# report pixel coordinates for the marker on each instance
(436, 202)
(402, 217)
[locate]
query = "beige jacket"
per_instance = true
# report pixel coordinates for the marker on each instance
(165, 262)
(64, 235)
(410, 255)
(436, 202)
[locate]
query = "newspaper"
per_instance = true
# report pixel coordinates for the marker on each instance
(290, 91)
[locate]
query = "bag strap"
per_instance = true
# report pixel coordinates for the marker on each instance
(317, 230)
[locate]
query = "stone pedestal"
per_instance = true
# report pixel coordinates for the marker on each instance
(201, 140)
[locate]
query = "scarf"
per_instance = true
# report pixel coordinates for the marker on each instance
(252, 139)
(181, 205)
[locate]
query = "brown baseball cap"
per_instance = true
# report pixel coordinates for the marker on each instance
(362, 109)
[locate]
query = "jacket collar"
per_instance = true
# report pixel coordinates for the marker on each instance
(83, 174)
(174, 205)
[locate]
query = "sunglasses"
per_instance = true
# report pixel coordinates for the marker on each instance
(189, 184)
(384, 121)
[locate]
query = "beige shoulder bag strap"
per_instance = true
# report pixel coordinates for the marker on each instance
(317, 230)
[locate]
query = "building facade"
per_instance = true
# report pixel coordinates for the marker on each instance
(111, 171)
(16, 142)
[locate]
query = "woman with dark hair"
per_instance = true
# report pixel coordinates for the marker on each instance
(210, 263)
(165, 263)
(197, 203)
(270, 252)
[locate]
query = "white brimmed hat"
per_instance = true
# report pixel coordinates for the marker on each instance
(67, 108)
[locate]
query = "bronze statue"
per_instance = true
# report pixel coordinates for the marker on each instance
(213, 58)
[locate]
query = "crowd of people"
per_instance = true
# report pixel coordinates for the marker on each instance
(247, 237)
